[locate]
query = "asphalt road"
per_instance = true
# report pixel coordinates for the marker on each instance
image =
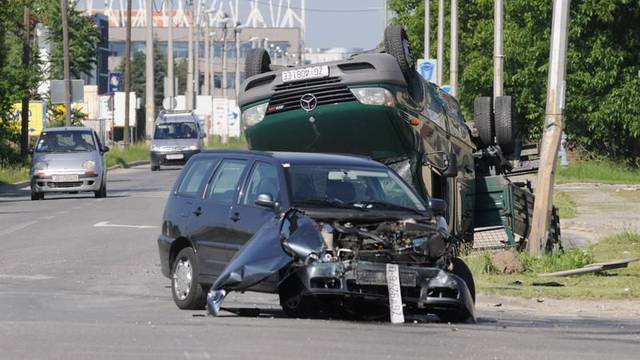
(80, 278)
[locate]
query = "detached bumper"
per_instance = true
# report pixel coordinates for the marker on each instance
(423, 289)
(171, 157)
(81, 184)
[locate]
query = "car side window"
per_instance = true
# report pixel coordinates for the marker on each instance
(195, 176)
(222, 187)
(263, 180)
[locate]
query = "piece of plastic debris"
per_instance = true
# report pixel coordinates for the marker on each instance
(497, 305)
(548, 283)
(517, 282)
(540, 300)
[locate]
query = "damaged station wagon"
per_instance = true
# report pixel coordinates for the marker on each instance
(331, 234)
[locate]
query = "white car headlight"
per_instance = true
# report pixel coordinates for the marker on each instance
(253, 115)
(192, 147)
(40, 165)
(89, 165)
(374, 96)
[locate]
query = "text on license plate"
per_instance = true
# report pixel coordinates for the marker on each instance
(305, 73)
(174, 156)
(64, 178)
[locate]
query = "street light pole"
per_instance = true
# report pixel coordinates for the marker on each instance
(64, 6)
(127, 76)
(189, 97)
(236, 31)
(26, 56)
(171, 82)
(224, 60)
(440, 55)
(149, 73)
(427, 29)
(196, 65)
(453, 62)
(207, 56)
(498, 49)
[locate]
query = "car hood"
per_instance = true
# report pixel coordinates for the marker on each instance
(64, 161)
(174, 142)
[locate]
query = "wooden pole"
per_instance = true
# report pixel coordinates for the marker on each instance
(552, 129)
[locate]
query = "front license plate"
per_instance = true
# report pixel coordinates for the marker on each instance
(65, 178)
(371, 277)
(175, 156)
(305, 73)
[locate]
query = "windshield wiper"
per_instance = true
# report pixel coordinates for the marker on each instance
(327, 202)
(383, 205)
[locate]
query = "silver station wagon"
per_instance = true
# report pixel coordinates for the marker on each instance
(68, 160)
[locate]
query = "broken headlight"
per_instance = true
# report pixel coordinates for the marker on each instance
(432, 247)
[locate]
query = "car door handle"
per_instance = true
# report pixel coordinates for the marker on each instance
(198, 211)
(235, 217)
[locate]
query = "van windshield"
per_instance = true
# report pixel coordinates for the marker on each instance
(65, 141)
(176, 130)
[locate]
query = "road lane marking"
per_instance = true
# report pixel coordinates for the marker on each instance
(107, 224)
(25, 277)
(17, 227)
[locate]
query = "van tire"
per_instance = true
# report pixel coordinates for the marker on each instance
(257, 62)
(396, 43)
(483, 120)
(505, 124)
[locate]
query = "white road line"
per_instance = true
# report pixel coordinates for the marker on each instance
(15, 228)
(107, 224)
(25, 277)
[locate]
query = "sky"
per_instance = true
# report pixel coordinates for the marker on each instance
(330, 23)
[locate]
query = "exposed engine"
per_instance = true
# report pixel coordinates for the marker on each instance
(403, 241)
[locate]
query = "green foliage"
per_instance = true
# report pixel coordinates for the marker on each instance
(10, 174)
(603, 86)
(599, 171)
(138, 74)
(565, 204)
(135, 152)
(557, 261)
(215, 142)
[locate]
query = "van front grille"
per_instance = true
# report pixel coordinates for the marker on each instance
(326, 91)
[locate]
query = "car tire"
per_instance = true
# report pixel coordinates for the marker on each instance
(396, 43)
(37, 195)
(187, 292)
(505, 126)
(257, 62)
(483, 120)
(293, 301)
(155, 167)
(462, 271)
(102, 192)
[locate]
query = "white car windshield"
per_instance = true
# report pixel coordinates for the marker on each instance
(176, 130)
(65, 141)
(364, 188)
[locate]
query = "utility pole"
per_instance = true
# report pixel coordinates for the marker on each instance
(498, 49)
(127, 76)
(189, 97)
(440, 54)
(552, 129)
(26, 55)
(427, 29)
(236, 31)
(386, 14)
(149, 73)
(207, 56)
(453, 62)
(224, 60)
(64, 7)
(171, 82)
(196, 65)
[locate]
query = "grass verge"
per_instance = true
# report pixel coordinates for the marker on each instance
(215, 142)
(613, 284)
(123, 157)
(13, 173)
(598, 171)
(565, 204)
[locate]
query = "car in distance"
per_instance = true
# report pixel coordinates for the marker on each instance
(317, 229)
(68, 159)
(177, 136)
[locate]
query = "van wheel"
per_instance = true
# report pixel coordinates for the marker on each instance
(505, 124)
(257, 62)
(37, 195)
(397, 44)
(155, 167)
(187, 292)
(482, 118)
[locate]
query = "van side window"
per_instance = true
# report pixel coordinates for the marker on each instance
(225, 182)
(195, 177)
(263, 180)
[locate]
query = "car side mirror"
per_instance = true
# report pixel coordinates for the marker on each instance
(31, 150)
(105, 149)
(451, 160)
(438, 206)
(447, 163)
(265, 200)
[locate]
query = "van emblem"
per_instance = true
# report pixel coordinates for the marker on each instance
(308, 102)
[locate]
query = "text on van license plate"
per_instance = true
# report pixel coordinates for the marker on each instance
(305, 73)
(65, 178)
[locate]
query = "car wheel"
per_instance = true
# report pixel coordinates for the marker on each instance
(293, 301)
(257, 62)
(482, 118)
(102, 192)
(155, 167)
(396, 43)
(187, 292)
(505, 124)
(462, 271)
(37, 195)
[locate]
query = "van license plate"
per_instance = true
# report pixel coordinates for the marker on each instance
(65, 178)
(174, 156)
(305, 73)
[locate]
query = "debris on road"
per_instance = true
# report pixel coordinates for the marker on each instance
(591, 268)
(548, 283)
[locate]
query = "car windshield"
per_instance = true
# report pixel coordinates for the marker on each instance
(65, 141)
(346, 187)
(176, 130)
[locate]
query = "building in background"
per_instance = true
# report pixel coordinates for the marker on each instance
(316, 55)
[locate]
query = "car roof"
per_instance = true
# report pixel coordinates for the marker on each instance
(299, 158)
(65, 128)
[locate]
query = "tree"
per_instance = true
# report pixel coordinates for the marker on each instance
(602, 115)
(138, 75)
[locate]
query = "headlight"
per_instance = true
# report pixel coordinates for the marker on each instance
(193, 147)
(374, 96)
(40, 165)
(89, 165)
(253, 115)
